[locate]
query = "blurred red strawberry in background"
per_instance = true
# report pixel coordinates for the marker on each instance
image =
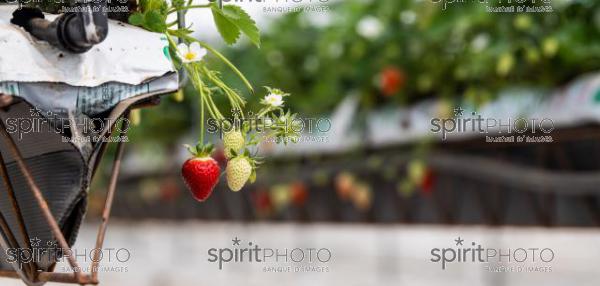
(344, 184)
(299, 193)
(392, 80)
(169, 190)
(421, 175)
(262, 202)
(362, 196)
(428, 182)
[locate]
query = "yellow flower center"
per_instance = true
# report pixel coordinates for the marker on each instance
(190, 56)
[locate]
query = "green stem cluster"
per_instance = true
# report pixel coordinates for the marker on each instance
(199, 75)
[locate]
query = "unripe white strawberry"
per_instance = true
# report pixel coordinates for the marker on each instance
(238, 171)
(233, 141)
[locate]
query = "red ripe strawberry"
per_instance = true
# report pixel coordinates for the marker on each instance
(392, 80)
(201, 173)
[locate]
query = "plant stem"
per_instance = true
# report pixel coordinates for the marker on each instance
(201, 99)
(222, 58)
(201, 118)
(264, 112)
(216, 53)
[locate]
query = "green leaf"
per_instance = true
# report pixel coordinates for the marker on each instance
(181, 32)
(178, 3)
(244, 22)
(191, 149)
(153, 16)
(228, 30)
(160, 6)
(155, 21)
(233, 20)
(136, 19)
(252, 178)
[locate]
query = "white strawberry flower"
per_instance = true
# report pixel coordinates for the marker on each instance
(190, 53)
(274, 99)
(408, 17)
(369, 27)
(480, 42)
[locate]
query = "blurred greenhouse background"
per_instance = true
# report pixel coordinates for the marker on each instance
(379, 71)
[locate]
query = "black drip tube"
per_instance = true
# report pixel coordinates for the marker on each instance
(75, 32)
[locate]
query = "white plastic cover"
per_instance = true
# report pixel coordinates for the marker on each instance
(128, 55)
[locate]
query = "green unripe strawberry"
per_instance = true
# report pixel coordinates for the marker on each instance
(233, 141)
(505, 64)
(238, 171)
(550, 47)
(416, 170)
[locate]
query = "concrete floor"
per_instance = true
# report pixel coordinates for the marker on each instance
(164, 254)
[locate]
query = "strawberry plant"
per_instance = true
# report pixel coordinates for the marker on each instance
(232, 22)
(402, 52)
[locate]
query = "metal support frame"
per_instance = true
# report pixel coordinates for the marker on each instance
(30, 271)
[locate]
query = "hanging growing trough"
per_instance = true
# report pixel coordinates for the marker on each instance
(53, 99)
